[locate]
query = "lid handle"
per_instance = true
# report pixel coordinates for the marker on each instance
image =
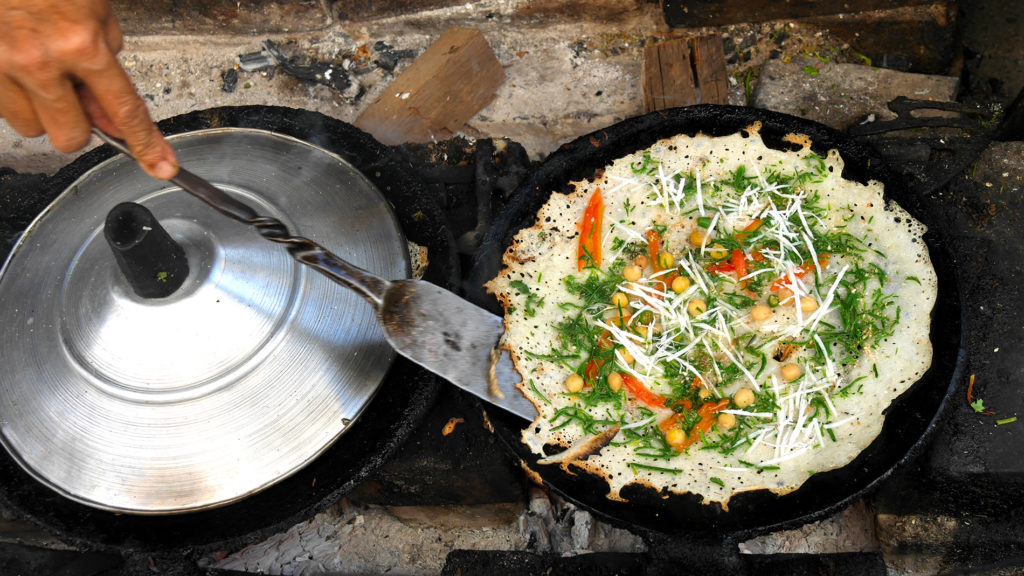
(152, 262)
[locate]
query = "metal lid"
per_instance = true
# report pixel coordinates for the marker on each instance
(242, 376)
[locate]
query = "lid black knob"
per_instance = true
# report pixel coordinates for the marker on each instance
(152, 262)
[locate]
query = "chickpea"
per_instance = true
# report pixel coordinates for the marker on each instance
(666, 260)
(574, 383)
(615, 381)
(785, 295)
(808, 304)
(620, 300)
(696, 307)
(743, 397)
(625, 356)
(760, 313)
(703, 393)
(726, 421)
(632, 272)
(698, 237)
(676, 438)
(790, 372)
(718, 252)
(641, 331)
(680, 284)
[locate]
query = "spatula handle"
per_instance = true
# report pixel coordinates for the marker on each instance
(303, 250)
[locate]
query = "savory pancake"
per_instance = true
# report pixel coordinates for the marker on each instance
(720, 316)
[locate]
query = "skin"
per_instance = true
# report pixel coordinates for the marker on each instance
(59, 75)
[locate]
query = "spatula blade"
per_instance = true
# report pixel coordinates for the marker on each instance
(454, 339)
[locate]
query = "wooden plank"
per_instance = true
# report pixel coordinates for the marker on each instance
(709, 65)
(667, 76)
(692, 13)
(444, 87)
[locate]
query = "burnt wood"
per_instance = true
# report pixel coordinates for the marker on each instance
(691, 13)
(924, 40)
(144, 17)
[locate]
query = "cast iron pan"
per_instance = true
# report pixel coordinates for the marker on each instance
(909, 421)
(406, 395)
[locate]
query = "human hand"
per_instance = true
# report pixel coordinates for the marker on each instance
(59, 75)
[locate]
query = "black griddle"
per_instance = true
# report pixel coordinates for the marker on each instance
(910, 419)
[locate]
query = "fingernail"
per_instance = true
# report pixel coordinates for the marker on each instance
(165, 170)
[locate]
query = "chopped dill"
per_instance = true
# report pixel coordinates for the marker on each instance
(638, 466)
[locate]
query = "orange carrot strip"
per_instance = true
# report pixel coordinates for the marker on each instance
(637, 389)
(801, 271)
(589, 250)
(654, 248)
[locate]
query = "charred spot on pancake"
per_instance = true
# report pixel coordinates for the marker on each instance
(784, 352)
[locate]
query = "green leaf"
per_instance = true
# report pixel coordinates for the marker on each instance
(810, 70)
(520, 286)
(978, 405)
(1006, 421)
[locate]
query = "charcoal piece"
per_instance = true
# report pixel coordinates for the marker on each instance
(780, 36)
(329, 74)
(388, 57)
(1012, 126)
(894, 62)
(229, 80)
(256, 61)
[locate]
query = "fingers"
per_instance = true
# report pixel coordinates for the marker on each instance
(112, 33)
(59, 74)
(95, 112)
(127, 112)
(17, 109)
(49, 105)
(61, 114)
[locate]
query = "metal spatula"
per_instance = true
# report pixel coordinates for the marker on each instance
(423, 322)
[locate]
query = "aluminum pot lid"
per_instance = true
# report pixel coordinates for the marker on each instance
(239, 378)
